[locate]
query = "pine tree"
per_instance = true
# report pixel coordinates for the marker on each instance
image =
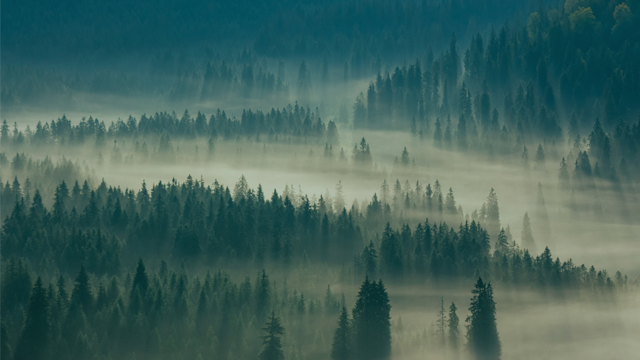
(140, 280)
(502, 245)
(454, 331)
(342, 348)
(35, 338)
(81, 295)
(482, 330)
(202, 315)
(493, 215)
(372, 325)
(272, 343)
(263, 297)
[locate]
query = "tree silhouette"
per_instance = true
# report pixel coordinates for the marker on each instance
(272, 344)
(482, 331)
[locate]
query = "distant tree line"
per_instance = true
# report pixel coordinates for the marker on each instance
(170, 77)
(292, 121)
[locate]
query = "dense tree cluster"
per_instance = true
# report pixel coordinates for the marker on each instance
(442, 255)
(105, 227)
(163, 314)
(368, 334)
(479, 129)
(555, 92)
(482, 331)
(365, 33)
(547, 61)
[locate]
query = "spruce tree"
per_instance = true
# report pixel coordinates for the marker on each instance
(262, 297)
(140, 280)
(454, 330)
(272, 343)
(493, 215)
(35, 338)
(342, 348)
(482, 330)
(82, 295)
(372, 325)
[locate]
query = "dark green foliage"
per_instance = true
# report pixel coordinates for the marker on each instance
(390, 252)
(342, 348)
(5, 346)
(371, 322)
(454, 330)
(121, 305)
(482, 331)
(263, 297)
(35, 339)
(272, 344)
(82, 296)
(140, 280)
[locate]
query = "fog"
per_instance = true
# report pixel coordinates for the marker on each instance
(183, 194)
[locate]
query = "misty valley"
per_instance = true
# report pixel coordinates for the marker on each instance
(320, 179)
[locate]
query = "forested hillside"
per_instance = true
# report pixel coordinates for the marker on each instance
(319, 179)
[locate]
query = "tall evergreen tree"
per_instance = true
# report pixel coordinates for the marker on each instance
(263, 297)
(493, 215)
(482, 330)
(372, 322)
(36, 334)
(82, 295)
(272, 343)
(454, 330)
(342, 348)
(140, 280)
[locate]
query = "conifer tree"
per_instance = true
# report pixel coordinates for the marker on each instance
(540, 159)
(342, 348)
(482, 330)
(140, 280)
(454, 331)
(493, 214)
(272, 343)
(82, 295)
(372, 325)
(502, 245)
(525, 159)
(35, 338)
(263, 297)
